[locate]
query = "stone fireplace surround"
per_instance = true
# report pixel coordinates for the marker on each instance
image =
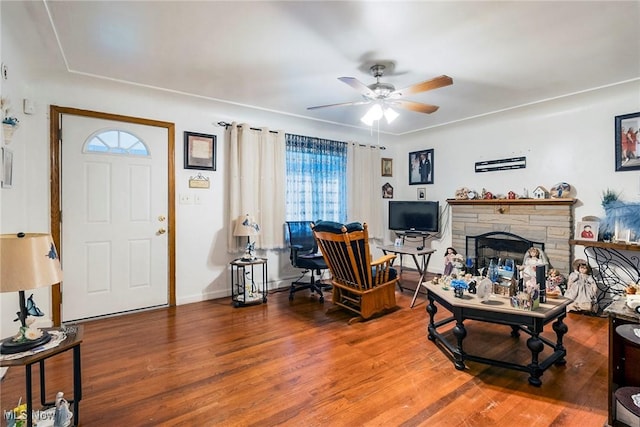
(543, 220)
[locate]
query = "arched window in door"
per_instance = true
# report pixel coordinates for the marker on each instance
(114, 141)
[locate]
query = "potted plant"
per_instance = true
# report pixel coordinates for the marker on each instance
(9, 123)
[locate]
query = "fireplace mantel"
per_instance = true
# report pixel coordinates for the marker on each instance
(511, 201)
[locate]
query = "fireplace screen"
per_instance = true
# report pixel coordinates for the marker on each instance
(498, 245)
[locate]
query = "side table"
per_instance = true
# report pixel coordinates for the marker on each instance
(71, 342)
(246, 288)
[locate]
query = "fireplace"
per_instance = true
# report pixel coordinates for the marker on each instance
(498, 246)
(537, 221)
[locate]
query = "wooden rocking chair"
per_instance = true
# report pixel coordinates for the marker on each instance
(359, 285)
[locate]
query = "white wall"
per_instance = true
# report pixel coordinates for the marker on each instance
(569, 139)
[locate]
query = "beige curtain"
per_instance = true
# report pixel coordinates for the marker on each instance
(364, 193)
(257, 167)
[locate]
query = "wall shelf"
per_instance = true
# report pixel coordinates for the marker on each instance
(511, 201)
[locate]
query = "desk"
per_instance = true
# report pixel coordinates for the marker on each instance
(71, 342)
(498, 310)
(414, 253)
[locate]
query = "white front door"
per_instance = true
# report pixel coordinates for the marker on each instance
(114, 217)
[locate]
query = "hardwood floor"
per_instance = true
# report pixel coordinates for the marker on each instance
(290, 363)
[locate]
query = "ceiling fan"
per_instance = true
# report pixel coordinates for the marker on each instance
(385, 95)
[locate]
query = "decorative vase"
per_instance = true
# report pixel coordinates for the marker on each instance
(7, 131)
(458, 292)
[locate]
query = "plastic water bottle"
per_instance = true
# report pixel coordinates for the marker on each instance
(493, 271)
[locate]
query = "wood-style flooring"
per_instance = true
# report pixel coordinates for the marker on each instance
(290, 364)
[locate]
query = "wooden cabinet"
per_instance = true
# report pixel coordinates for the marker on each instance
(624, 352)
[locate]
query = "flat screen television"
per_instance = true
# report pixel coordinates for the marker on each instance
(414, 217)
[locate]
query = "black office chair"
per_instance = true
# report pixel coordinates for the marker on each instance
(304, 254)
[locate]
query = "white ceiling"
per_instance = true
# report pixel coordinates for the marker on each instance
(285, 56)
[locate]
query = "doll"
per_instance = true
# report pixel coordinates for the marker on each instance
(581, 288)
(532, 259)
(448, 261)
(556, 283)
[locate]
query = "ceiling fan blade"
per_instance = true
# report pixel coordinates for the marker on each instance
(436, 83)
(415, 106)
(357, 85)
(341, 104)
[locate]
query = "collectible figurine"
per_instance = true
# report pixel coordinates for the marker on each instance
(581, 288)
(63, 415)
(448, 260)
(532, 259)
(556, 283)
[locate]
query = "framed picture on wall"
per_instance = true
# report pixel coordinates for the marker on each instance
(421, 167)
(199, 151)
(387, 167)
(387, 191)
(627, 153)
(422, 193)
(587, 230)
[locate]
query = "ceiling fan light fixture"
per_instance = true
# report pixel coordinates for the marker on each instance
(390, 114)
(374, 113)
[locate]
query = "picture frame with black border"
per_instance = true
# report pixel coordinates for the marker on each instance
(421, 167)
(199, 151)
(626, 140)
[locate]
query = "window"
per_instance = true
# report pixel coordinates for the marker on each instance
(116, 142)
(316, 179)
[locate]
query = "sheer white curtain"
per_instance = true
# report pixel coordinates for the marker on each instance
(257, 164)
(364, 193)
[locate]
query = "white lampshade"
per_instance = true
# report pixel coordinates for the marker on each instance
(376, 112)
(28, 261)
(390, 115)
(246, 225)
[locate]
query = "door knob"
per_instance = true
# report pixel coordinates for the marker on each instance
(162, 218)
(161, 231)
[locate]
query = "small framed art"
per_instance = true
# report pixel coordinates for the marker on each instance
(387, 191)
(199, 151)
(626, 128)
(422, 193)
(387, 167)
(421, 167)
(587, 230)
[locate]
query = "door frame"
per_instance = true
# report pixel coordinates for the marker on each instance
(55, 150)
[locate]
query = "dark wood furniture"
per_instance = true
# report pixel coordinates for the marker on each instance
(499, 311)
(624, 354)
(71, 342)
(420, 258)
(360, 285)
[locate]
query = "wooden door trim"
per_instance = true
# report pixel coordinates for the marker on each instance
(55, 151)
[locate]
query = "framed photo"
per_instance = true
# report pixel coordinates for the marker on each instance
(627, 153)
(422, 193)
(587, 230)
(7, 168)
(387, 191)
(199, 151)
(622, 234)
(387, 167)
(421, 167)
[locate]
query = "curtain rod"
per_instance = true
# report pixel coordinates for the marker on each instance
(226, 126)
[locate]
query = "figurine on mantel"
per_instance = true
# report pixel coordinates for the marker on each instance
(581, 288)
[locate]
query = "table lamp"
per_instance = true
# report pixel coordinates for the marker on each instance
(27, 261)
(247, 226)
